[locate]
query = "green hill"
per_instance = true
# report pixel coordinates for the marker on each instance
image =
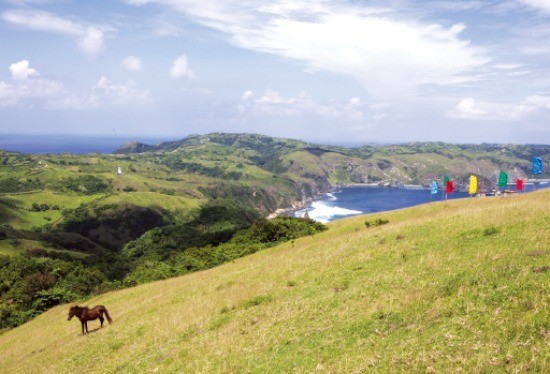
(449, 286)
(148, 221)
(409, 163)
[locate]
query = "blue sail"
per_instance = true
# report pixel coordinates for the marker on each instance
(434, 187)
(537, 165)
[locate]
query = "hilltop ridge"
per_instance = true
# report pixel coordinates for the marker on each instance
(407, 163)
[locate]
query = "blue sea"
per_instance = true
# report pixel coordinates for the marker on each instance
(351, 201)
(76, 144)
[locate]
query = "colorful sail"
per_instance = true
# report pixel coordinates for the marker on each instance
(434, 188)
(449, 187)
(519, 184)
(537, 165)
(472, 190)
(502, 179)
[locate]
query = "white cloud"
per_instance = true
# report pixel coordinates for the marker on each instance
(272, 103)
(103, 94)
(180, 68)
(27, 88)
(137, 2)
(91, 42)
(22, 70)
(508, 66)
(26, 93)
(120, 94)
(388, 54)
(132, 63)
(468, 108)
(88, 38)
(543, 5)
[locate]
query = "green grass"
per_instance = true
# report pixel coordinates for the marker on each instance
(10, 247)
(152, 199)
(443, 287)
(17, 207)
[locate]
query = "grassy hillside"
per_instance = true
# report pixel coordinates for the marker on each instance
(450, 286)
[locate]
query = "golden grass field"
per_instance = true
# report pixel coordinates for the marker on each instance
(457, 286)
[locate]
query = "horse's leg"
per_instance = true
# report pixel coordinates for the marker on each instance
(86, 325)
(82, 324)
(101, 319)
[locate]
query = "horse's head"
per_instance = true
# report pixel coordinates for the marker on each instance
(72, 312)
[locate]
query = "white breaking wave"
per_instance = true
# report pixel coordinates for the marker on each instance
(331, 197)
(321, 212)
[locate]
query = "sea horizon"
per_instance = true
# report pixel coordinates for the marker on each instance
(74, 144)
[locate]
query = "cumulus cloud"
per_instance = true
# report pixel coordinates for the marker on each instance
(91, 42)
(468, 108)
(387, 53)
(104, 93)
(180, 68)
(28, 93)
(132, 63)
(120, 94)
(89, 39)
(27, 88)
(22, 70)
(273, 103)
(534, 105)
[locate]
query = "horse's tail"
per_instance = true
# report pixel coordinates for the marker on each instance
(107, 315)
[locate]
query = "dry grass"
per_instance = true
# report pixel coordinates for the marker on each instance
(442, 287)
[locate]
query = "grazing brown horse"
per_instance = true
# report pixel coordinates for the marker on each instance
(86, 314)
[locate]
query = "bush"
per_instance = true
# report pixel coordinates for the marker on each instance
(376, 222)
(490, 231)
(46, 299)
(37, 252)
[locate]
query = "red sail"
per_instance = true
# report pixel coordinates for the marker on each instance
(449, 187)
(519, 185)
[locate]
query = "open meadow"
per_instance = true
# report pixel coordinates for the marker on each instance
(450, 286)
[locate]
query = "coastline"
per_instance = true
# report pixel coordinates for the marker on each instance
(334, 189)
(308, 205)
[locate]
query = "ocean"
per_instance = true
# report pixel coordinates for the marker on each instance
(41, 144)
(351, 201)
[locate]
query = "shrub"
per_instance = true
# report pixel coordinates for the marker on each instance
(376, 222)
(490, 231)
(257, 300)
(37, 252)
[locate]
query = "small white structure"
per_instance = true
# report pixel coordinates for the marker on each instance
(119, 170)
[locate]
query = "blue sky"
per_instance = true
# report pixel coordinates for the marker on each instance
(335, 72)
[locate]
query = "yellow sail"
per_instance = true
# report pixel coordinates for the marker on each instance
(473, 185)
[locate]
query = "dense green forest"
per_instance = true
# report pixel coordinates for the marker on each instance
(71, 226)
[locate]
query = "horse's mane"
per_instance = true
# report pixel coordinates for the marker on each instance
(80, 307)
